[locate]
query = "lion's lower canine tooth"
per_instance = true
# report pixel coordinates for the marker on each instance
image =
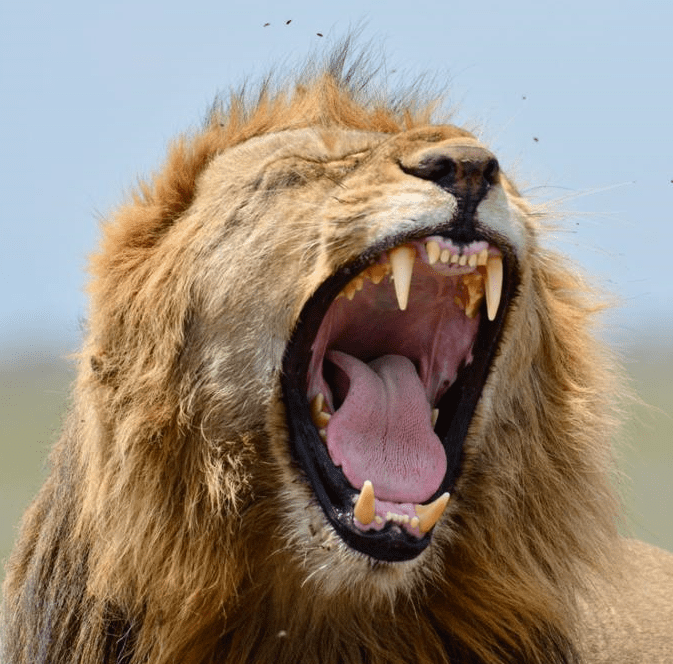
(433, 250)
(364, 507)
(435, 415)
(321, 419)
(428, 515)
(317, 404)
(493, 285)
(402, 264)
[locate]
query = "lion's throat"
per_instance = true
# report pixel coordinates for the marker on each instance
(382, 431)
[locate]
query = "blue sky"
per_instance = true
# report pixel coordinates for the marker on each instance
(574, 97)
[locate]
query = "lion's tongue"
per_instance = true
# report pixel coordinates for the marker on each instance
(382, 432)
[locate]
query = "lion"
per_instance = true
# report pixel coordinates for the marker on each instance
(336, 402)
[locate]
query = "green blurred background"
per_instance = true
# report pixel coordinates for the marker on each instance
(34, 393)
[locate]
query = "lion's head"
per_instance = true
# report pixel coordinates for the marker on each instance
(335, 401)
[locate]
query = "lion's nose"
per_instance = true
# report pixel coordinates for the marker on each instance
(464, 170)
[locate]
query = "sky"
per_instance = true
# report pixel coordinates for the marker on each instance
(575, 99)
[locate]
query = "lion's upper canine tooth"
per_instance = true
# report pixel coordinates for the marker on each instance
(428, 515)
(402, 264)
(493, 285)
(364, 507)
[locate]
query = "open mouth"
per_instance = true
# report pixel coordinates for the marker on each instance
(381, 379)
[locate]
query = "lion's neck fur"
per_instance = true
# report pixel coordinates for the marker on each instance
(282, 615)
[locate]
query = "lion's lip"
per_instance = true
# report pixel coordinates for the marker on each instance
(387, 350)
(452, 360)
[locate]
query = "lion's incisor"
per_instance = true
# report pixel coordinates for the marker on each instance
(325, 315)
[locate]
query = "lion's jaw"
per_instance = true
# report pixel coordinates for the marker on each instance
(365, 208)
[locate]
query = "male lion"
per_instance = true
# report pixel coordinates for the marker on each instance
(336, 403)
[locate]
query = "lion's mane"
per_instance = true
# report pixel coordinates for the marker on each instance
(164, 533)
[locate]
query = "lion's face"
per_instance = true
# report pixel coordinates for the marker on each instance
(335, 403)
(376, 276)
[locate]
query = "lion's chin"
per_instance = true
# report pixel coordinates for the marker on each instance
(381, 379)
(336, 570)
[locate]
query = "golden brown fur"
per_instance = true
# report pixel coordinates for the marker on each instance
(172, 528)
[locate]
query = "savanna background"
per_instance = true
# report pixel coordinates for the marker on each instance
(573, 97)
